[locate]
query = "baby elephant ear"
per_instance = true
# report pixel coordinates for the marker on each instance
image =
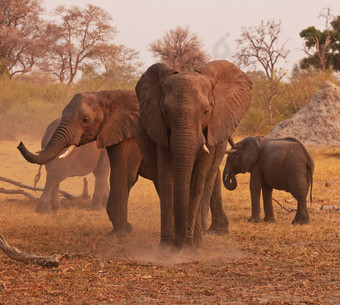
(250, 151)
(232, 93)
(121, 111)
(149, 93)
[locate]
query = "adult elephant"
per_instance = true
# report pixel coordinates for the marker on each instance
(185, 121)
(109, 118)
(84, 160)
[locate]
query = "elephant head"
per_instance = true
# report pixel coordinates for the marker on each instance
(107, 117)
(188, 112)
(241, 159)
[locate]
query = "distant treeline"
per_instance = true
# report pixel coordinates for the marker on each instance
(28, 105)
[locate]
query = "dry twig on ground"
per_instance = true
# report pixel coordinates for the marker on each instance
(19, 184)
(44, 261)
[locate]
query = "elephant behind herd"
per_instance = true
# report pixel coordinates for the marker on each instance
(173, 130)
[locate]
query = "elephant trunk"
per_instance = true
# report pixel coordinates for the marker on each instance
(185, 151)
(57, 143)
(230, 181)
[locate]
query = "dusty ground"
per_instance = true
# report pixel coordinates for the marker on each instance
(261, 263)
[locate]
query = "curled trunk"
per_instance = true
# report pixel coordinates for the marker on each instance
(58, 142)
(230, 181)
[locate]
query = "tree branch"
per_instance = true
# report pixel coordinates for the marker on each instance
(16, 254)
(19, 184)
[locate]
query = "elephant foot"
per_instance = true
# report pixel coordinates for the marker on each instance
(165, 248)
(198, 241)
(269, 219)
(56, 207)
(42, 209)
(299, 220)
(254, 219)
(122, 230)
(219, 229)
(96, 207)
(166, 242)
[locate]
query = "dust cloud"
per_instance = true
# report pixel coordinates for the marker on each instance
(142, 249)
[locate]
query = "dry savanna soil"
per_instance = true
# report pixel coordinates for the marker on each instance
(262, 263)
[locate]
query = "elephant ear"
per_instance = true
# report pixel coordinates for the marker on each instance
(121, 111)
(149, 93)
(250, 150)
(232, 94)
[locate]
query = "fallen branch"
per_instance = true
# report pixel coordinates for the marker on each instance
(283, 207)
(16, 254)
(19, 184)
(21, 192)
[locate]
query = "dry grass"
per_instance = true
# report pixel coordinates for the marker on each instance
(255, 264)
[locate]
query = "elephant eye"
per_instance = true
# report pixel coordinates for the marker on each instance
(85, 120)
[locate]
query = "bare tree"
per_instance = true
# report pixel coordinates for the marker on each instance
(75, 38)
(180, 49)
(20, 35)
(260, 45)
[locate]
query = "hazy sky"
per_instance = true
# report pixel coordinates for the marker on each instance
(217, 22)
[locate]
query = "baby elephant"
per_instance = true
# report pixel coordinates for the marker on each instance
(282, 164)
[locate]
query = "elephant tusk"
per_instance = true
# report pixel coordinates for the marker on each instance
(67, 152)
(205, 148)
(231, 142)
(231, 151)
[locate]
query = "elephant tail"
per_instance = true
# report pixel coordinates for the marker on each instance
(311, 187)
(37, 176)
(310, 169)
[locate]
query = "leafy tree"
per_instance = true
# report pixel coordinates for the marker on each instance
(74, 39)
(119, 63)
(20, 35)
(259, 118)
(180, 49)
(322, 47)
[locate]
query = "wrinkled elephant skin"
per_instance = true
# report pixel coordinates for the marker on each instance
(185, 121)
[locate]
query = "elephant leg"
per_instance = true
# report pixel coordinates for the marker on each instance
(52, 180)
(106, 193)
(165, 187)
(44, 202)
(298, 187)
(267, 193)
(200, 192)
(301, 216)
(255, 194)
(219, 220)
(101, 187)
(55, 202)
(203, 210)
(124, 162)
